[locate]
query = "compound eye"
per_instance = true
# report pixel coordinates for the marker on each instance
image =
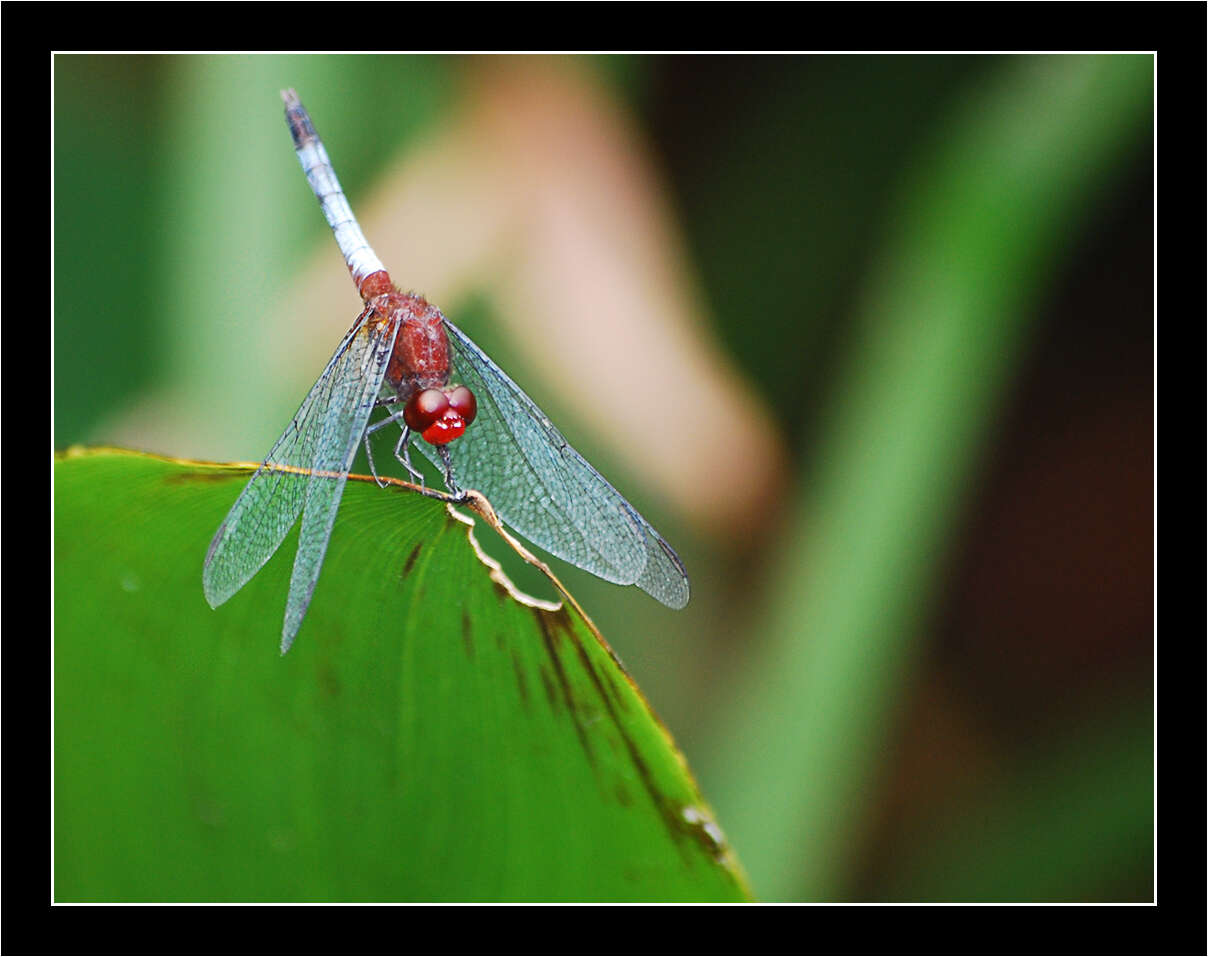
(462, 401)
(425, 408)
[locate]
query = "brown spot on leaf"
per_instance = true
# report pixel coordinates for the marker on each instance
(329, 681)
(551, 692)
(411, 559)
(467, 633)
(521, 681)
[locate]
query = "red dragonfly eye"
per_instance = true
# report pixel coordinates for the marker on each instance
(462, 401)
(425, 408)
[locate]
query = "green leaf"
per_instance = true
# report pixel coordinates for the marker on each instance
(430, 737)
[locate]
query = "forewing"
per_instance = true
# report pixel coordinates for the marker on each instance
(353, 394)
(270, 503)
(545, 490)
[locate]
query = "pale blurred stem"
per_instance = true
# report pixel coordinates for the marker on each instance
(979, 233)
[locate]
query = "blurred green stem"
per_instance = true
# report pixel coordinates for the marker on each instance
(976, 239)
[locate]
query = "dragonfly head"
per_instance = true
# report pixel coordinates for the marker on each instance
(440, 415)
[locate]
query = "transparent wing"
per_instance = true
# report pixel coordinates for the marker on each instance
(321, 441)
(352, 401)
(545, 490)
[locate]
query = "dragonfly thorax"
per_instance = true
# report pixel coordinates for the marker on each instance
(420, 359)
(418, 372)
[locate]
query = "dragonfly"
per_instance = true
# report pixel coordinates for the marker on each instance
(452, 402)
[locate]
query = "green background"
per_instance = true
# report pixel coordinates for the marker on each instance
(933, 680)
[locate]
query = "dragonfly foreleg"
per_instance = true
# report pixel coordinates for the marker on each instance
(402, 452)
(369, 448)
(369, 455)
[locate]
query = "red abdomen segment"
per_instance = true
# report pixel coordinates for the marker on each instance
(418, 373)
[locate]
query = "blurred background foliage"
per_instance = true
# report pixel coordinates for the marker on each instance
(918, 662)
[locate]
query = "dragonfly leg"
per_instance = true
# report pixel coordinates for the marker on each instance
(369, 448)
(402, 452)
(450, 482)
(385, 422)
(369, 455)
